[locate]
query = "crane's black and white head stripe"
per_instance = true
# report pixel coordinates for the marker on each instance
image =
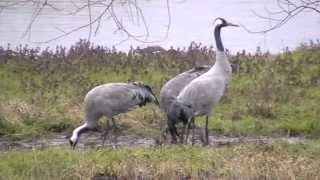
(219, 21)
(222, 22)
(218, 24)
(76, 133)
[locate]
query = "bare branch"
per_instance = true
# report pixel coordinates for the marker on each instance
(107, 9)
(288, 9)
(34, 17)
(90, 20)
(122, 28)
(98, 26)
(83, 26)
(264, 17)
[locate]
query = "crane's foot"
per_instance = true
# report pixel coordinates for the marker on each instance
(193, 139)
(163, 137)
(205, 140)
(174, 141)
(104, 139)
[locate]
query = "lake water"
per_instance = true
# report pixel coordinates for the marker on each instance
(191, 20)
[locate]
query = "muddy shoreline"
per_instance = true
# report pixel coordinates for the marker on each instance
(94, 140)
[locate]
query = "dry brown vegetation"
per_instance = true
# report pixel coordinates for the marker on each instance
(42, 91)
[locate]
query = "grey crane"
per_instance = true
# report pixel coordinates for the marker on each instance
(110, 100)
(173, 87)
(200, 96)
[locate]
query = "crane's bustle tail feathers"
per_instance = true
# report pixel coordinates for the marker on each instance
(178, 112)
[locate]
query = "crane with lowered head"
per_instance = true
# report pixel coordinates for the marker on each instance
(109, 100)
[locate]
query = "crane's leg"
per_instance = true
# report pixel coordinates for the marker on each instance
(116, 131)
(190, 125)
(193, 132)
(105, 133)
(174, 134)
(206, 132)
(183, 133)
(188, 132)
(171, 127)
(164, 131)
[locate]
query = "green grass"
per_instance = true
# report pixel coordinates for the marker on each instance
(268, 95)
(277, 161)
(274, 94)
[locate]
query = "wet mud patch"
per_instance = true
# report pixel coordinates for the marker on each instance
(94, 140)
(106, 176)
(110, 176)
(90, 140)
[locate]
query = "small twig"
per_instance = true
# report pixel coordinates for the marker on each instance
(33, 19)
(264, 17)
(90, 20)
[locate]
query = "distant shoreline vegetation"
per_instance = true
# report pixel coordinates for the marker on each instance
(42, 91)
(60, 50)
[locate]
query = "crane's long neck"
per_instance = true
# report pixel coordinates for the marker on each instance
(222, 65)
(217, 37)
(78, 131)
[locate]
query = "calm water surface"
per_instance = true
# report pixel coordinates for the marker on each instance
(191, 20)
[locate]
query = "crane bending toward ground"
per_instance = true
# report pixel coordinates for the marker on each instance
(110, 100)
(200, 96)
(173, 87)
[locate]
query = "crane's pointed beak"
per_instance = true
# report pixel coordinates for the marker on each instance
(231, 24)
(73, 144)
(155, 98)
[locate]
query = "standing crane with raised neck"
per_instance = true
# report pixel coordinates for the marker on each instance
(199, 97)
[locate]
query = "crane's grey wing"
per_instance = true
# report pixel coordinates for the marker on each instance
(125, 97)
(112, 99)
(202, 95)
(174, 86)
